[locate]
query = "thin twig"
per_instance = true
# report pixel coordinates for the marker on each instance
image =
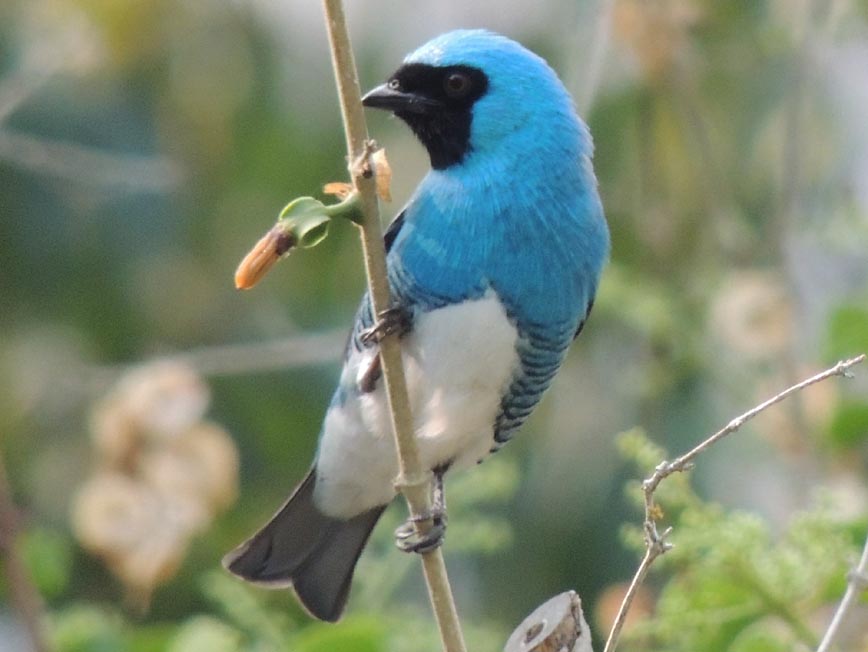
(655, 541)
(79, 382)
(22, 592)
(684, 461)
(88, 165)
(302, 350)
(413, 481)
(857, 583)
(652, 552)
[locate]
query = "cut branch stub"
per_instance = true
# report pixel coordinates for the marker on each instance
(557, 625)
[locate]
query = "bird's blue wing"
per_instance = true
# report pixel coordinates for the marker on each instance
(584, 319)
(541, 350)
(393, 230)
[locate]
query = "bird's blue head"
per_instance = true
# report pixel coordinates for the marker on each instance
(473, 91)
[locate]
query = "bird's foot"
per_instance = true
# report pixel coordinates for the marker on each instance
(409, 540)
(391, 321)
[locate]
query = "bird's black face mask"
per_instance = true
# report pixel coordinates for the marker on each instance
(436, 102)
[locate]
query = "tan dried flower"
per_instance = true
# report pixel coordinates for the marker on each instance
(163, 474)
(213, 460)
(259, 260)
(112, 512)
(752, 314)
(114, 431)
(166, 398)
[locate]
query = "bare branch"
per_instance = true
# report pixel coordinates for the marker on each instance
(683, 462)
(299, 350)
(655, 541)
(88, 165)
(857, 583)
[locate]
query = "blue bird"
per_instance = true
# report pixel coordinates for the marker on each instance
(493, 266)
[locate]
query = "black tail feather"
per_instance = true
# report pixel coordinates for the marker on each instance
(303, 548)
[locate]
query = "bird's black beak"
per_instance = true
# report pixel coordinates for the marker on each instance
(384, 97)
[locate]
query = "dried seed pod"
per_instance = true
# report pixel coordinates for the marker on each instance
(262, 257)
(383, 172)
(338, 189)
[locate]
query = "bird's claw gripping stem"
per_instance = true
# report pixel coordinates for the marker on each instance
(409, 540)
(391, 321)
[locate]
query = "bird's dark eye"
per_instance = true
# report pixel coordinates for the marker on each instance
(456, 84)
(394, 84)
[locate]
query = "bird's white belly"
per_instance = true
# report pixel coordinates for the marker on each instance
(458, 362)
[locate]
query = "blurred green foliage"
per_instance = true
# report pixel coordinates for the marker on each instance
(144, 147)
(848, 331)
(240, 620)
(730, 582)
(48, 557)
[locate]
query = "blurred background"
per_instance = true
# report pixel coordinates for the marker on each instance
(151, 416)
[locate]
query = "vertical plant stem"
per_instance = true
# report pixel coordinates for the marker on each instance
(413, 481)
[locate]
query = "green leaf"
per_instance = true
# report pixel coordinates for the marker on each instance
(849, 426)
(848, 332)
(48, 556)
(356, 634)
(206, 634)
(147, 638)
(761, 638)
(312, 232)
(306, 220)
(244, 608)
(302, 207)
(85, 628)
(635, 446)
